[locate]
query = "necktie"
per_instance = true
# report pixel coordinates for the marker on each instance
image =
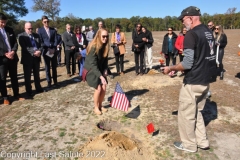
(33, 42)
(5, 39)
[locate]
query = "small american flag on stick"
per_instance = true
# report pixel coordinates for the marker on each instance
(119, 99)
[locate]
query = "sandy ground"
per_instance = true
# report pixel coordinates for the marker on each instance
(59, 124)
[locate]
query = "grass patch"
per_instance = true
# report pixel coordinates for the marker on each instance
(14, 136)
(62, 134)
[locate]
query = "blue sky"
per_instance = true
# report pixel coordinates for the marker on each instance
(128, 8)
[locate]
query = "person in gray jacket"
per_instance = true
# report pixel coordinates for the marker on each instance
(69, 50)
(90, 34)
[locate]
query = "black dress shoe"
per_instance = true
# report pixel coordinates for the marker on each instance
(56, 85)
(30, 94)
(49, 85)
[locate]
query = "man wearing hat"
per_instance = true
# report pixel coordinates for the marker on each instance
(198, 65)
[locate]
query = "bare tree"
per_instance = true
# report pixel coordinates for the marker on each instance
(231, 12)
(50, 7)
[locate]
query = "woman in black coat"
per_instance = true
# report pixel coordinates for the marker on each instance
(138, 48)
(168, 46)
(221, 41)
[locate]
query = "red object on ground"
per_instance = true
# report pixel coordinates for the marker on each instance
(239, 53)
(150, 128)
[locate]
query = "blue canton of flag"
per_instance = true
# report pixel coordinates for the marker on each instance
(119, 99)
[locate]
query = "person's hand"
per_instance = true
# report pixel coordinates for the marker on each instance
(105, 73)
(136, 45)
(37, 53)
(10, 55)
(72, 47)
(84, 46)
(181, 50)
(165, 70)
(103, 80)
(144, 39)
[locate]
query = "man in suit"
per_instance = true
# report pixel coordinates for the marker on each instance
(59, 48)
(31, 57)
(8, 59)
(48, 38)
(69, 50)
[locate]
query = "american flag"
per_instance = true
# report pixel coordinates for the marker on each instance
(119, 99)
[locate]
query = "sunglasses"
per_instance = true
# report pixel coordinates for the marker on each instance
(45, 21)
(169, 30)
(184, 30)
(29, 29)
(216, 28)
(138, 26)
(104, 36)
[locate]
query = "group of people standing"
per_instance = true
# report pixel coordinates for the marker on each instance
(197, 43)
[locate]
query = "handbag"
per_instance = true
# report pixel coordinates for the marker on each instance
(84, 74)
(115, 50)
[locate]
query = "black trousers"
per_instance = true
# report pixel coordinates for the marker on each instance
(119, 62)
(170, 56)
(12, 70)
(69, 57)
(139, 57)
(59, 55)
(28, 69)
(3, 75)
(220, 58)
(51, 62)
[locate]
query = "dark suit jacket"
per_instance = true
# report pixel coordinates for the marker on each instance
(28, 49)
(68, 40)
(59, 40)
(47, 42)
(12, 41)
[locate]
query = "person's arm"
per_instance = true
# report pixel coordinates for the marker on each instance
(177, 44)
(55, 39)
(150, 40)
(93, 58)
(15, 44)
(223, 42)
(23, 45)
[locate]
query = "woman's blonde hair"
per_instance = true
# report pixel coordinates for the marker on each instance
(220, 32)
(97, 43)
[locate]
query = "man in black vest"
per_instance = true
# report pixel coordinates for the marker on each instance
(199, 66)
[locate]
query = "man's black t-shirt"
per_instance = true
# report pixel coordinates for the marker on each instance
(201, 40)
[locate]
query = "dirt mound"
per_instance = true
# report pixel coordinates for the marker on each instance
(115, 146)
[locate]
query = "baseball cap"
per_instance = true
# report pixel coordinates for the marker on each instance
(190, 11)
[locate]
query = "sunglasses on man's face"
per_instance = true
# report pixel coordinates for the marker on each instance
(29, 29)
(104, 36)
(45, 21)
(138, 26)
